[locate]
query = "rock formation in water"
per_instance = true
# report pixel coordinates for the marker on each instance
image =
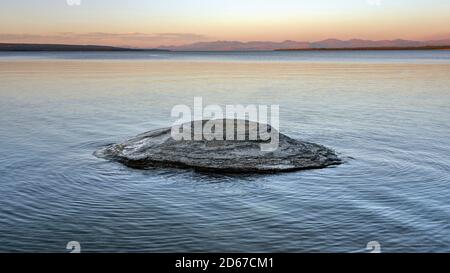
(159, 148)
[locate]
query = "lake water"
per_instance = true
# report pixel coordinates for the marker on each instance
(386, 113)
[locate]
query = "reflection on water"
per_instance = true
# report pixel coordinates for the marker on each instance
(390, 119)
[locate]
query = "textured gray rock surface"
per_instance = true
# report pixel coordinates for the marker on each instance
(159, 149)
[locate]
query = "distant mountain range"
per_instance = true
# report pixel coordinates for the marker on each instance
(293, 45)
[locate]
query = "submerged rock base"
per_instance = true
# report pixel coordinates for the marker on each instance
(159, 149)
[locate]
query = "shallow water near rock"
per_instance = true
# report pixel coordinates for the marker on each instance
(387, 110)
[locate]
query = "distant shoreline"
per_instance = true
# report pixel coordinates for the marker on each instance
(19, 47)
(13, 47)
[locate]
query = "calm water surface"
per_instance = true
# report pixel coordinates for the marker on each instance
(386, 113)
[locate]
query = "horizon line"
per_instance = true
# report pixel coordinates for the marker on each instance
(36, 47)
(228, 41)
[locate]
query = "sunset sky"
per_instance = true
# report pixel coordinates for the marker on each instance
(150, 23)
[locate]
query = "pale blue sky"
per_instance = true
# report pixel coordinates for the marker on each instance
(196, 20)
